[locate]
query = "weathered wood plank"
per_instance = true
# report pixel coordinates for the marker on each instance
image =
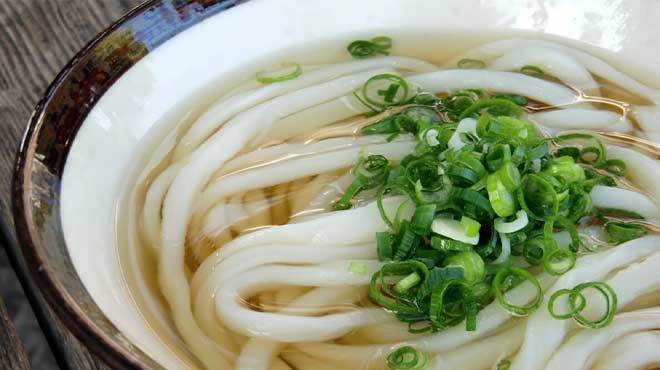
(12, 352)
(37, 38)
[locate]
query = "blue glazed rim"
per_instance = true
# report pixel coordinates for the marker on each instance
(45, 146)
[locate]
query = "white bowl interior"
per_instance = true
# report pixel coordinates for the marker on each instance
(217, 53)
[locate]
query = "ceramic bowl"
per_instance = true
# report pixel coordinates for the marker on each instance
(139, 75)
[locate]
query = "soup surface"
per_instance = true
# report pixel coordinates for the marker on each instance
(473, 209)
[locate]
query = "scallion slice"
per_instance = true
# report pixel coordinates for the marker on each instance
(510, 271)
(407, 358)
(559, 261)
(453, 229)
(385, 90)
(469, 63)
(364, 49)
(287, 71)
(619, 232)
(520, 222)
(573, 296)
(611, 304)
(532, 71)
(358, 268)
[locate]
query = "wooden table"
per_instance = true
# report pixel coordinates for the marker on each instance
(12, 353)
(37, 38)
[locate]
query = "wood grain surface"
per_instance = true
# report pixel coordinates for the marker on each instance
(37, 38)
(12, 352)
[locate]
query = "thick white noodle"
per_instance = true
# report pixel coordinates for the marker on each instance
(287, 328)
(297, 167)
(552, 62)
(544, 333)
(351, 227)
(251, 258)
(648, 118)
(177, 207)
(594, 64)
(636, 351)
(258, 354)
(488, 320)
(630, 283)
(481, 354)
(450, 80)
(611, 197)
(581, 119)
(642, 170)
(224, 109)
(582, 349)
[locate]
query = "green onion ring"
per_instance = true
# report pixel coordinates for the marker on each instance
(395, 81)
(288, 71)
(561, 254)
(610, 297)
(498, 280)
(407, 358)
(469, 63)
(531, 70)
(575, 308)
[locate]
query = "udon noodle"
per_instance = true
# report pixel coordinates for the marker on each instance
(233, 238)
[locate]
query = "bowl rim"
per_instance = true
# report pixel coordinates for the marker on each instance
(68, 313)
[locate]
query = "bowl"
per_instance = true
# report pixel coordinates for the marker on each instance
(138, 77)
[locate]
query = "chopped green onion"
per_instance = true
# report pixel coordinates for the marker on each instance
(358, 268)
(576, 308)
(384, 246)
(532, 71)
(440, 316)
(503, 107)
(468, 63)
(510, 128)
(436, 276)
(504, 365)
(502, 200)
(594, 154)
(497, 156)
(615, 212)
(365, 49)
(471, 226)
(382, 42)
(449, 245)
(473, 203)
(505, 273)
(482, 186)
(616, 167)
(610, 304)
(473, 266)
(407, 358)
(369, 173)
(386, 296)
(520, 222)
(287, 71)
(422, 219)
(518, 99)
(389, 90)
(538, 197)
(619, 232)
(407, 242)
(453, 229)
(559, 261)
(407, 282)
(535, 250)
(509, 175)
(566, 168)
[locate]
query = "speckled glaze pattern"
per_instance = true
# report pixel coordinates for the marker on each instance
(43, 153)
